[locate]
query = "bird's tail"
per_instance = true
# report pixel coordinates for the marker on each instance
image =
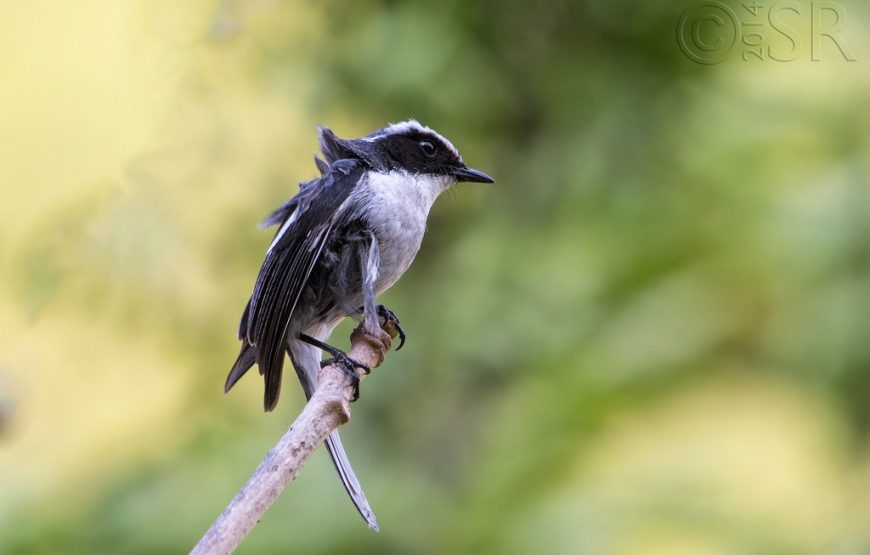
(306, 361)
(246, 359)
(348, 479)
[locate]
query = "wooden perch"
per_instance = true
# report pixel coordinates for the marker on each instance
(328, 408)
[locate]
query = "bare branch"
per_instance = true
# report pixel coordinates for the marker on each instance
(328, 408)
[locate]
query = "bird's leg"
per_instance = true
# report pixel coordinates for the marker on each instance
(388, 321)
(340, 359)
(391, 324)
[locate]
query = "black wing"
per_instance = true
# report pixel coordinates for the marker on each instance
(308, 220)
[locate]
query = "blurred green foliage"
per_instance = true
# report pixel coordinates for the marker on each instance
(648, 338)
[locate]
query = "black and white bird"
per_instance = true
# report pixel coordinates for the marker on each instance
(345, 238)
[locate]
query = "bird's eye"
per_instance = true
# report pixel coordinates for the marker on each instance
(428, 148)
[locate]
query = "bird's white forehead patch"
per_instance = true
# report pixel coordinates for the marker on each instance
(413, 126)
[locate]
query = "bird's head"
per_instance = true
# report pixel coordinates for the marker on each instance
(406, 146)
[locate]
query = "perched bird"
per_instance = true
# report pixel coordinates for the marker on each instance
(345, 238)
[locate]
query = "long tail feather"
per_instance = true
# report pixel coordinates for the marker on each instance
(306, 361)
(348, 479)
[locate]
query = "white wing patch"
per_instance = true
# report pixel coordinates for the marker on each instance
(293, 217)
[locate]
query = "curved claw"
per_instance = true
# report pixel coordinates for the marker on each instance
(391, 324)
(341, 360)
(348, 366)
(401, 336)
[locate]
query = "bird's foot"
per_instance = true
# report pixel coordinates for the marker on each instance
(391, 324)
(340, 359)
(348, 366)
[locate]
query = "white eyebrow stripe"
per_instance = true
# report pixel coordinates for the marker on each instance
(409, 126)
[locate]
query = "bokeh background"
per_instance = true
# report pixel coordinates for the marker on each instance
(650, 337)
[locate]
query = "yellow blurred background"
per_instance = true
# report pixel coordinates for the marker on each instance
(650, 337)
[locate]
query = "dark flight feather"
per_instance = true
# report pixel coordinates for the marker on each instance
(284, 274)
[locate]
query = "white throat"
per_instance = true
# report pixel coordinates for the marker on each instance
(406, 191)
(397, 206)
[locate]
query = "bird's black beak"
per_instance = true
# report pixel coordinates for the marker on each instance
(467, 174)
